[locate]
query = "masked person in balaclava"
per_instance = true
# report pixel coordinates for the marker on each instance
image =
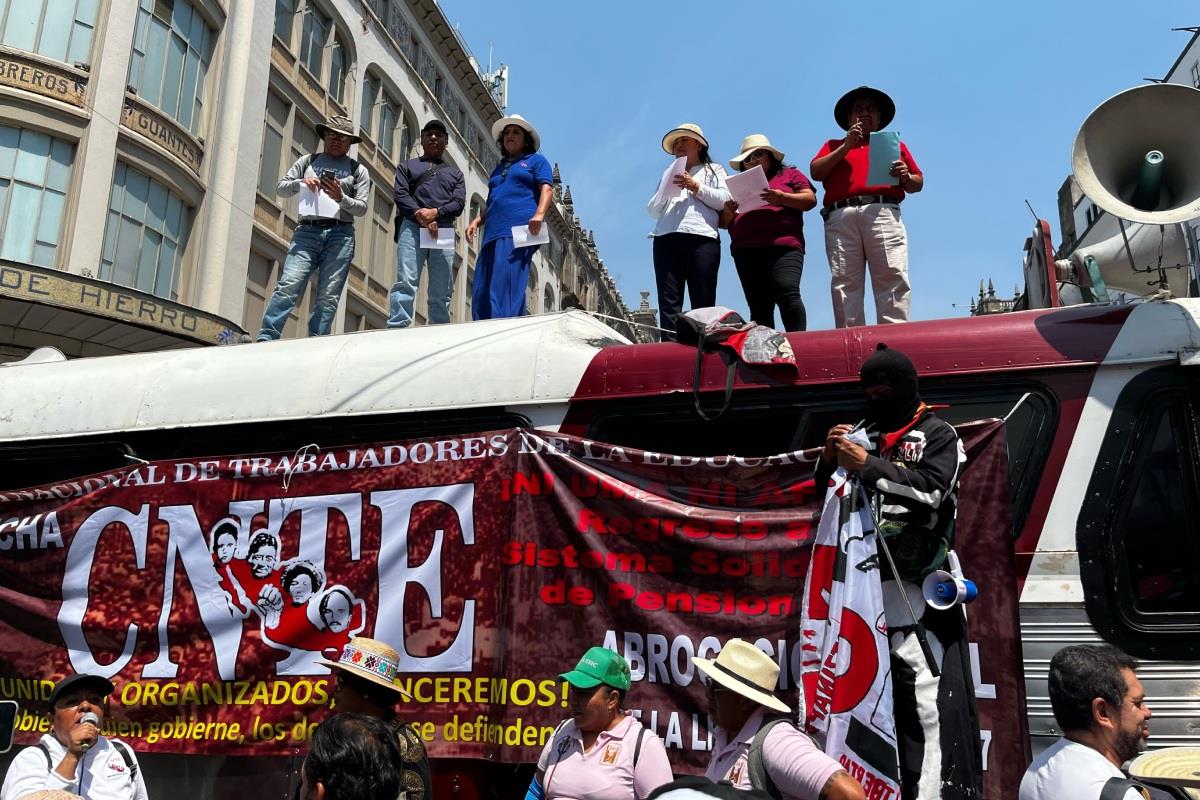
(910, 473)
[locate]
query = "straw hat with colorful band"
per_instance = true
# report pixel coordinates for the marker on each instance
(841, 110)
(755, 141)
(372, 660)
(516, 119)
(599, 665)
(339, 124)
(743, 668)
(688, 129)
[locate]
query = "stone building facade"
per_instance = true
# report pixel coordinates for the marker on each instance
(141, 141)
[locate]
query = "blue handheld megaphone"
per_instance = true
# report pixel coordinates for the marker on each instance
(944, 590)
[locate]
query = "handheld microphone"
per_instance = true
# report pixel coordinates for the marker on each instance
(88, 718)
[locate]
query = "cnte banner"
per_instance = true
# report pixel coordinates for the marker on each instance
(210, 590)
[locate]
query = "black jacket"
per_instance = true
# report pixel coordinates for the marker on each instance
(914, 489)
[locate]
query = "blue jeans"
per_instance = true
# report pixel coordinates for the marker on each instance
(325, 251)
(409, 260)
(501, 274)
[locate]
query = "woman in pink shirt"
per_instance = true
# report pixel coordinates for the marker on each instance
(602, 752)
(768, 242)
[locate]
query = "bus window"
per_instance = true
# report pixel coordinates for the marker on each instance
(1157, 530)
(1139, 530)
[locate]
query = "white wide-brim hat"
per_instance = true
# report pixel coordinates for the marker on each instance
(516, 119)
(688, 129)
(743, 668)
(755, 141)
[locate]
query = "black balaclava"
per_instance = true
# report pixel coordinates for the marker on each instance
(890, 368)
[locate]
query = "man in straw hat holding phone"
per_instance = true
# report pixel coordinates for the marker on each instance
(366, 684)
(757, 745)
(337, 187)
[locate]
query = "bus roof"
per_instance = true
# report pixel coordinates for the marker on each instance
(1026, 340)
(506, 362)
(534, 362)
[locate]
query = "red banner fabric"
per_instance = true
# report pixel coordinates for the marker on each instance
(490, 561)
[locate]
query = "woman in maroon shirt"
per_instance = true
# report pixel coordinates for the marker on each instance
(768, 242)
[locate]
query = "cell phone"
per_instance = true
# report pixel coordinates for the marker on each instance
(327, 175)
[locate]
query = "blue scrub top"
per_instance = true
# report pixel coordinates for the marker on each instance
(513, 193)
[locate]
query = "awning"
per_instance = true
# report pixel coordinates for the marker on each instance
(87, 317)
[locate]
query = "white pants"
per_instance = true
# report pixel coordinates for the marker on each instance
(857, 237)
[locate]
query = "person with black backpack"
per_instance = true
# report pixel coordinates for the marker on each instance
(336, 188)
(757, 744)
(74, 756)
(1100, 705)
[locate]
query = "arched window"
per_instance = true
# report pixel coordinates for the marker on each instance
(35, 170)
(52, 28)
(146, 235)
(172, 49)
(384, 120)
(548, 300)
(319, 34)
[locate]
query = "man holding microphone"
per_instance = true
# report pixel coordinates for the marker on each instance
(74, 757)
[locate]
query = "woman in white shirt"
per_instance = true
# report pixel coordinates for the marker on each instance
(687, 247)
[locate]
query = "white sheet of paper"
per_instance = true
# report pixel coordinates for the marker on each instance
(444, 240)
(665, 186)
(523, 238)
(747, 188)
(317, 204)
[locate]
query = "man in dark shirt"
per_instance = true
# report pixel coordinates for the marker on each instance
(429, 193)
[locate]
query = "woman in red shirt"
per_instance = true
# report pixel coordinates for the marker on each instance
(768, 242)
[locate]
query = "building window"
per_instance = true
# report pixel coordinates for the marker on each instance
(58, 29)
(382, 117)
(172, 49)
(274, 132)
(285, 21)
(304, 139)
(34, 172)
(147, 232)
(379, 250)
(1196, 73)
(389, 114)
(548, 301)
(337, 71)
(313, 37)
(370, 96)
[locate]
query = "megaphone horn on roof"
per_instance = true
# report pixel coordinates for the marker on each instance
(1136, 155)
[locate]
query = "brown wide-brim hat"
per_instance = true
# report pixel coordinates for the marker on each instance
(887, 108)
(371, 660)
(339, 124)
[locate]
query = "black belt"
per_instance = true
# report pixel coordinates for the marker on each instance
(863, 200)
(321, 223)
(858, 200)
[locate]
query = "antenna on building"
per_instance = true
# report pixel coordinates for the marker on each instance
(496, 81)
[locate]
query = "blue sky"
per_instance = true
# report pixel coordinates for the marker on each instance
(989, 98)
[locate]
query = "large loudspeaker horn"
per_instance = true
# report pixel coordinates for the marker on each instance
(1147, 243)
(1110, 159)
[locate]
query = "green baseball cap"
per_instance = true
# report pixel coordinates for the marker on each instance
(599, 665)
